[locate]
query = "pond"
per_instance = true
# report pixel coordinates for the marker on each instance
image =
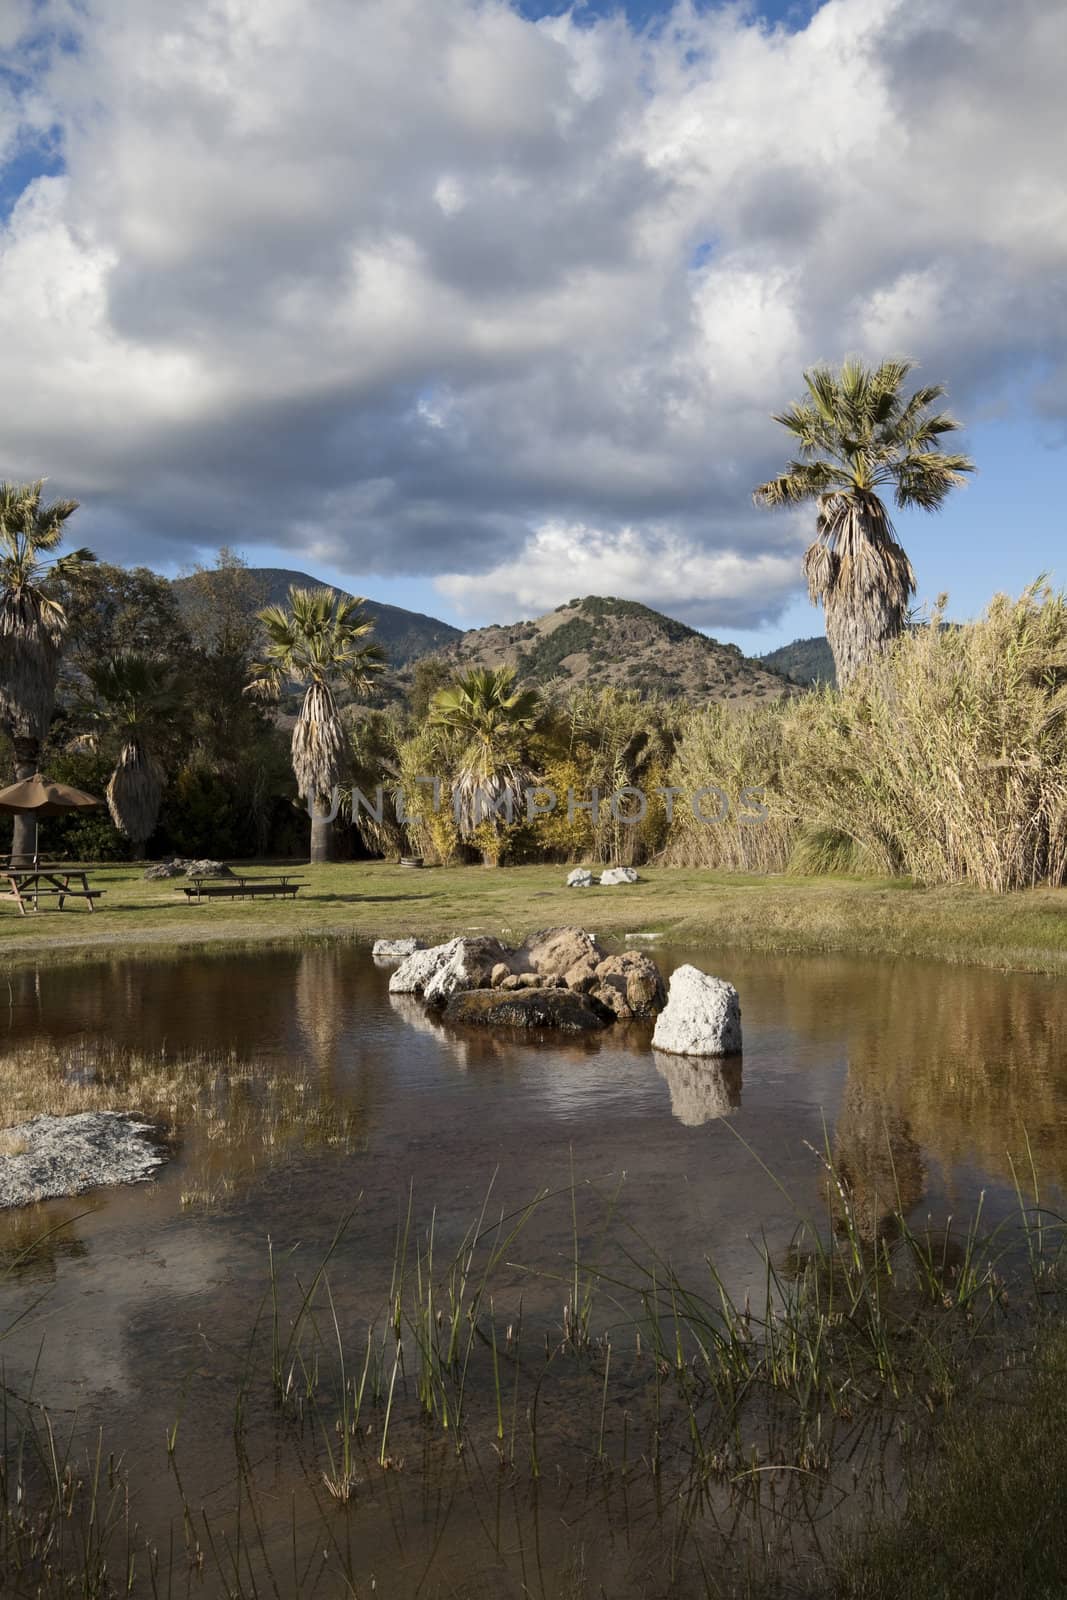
(322, 1457)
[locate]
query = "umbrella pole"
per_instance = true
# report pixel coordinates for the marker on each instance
(36, 842)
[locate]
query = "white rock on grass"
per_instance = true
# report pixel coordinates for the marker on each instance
(395, 949)
(580, 878)
(616, 875)
(56, 1156)
(702, 1016)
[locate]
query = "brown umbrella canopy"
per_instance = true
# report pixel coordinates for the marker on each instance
(39, 797)
(46, 799)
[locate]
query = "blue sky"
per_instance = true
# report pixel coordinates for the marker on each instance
(472, 310)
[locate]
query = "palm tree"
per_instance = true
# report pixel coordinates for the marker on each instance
(320, 643)
(487, 716)
(859, 435)
(32, 625)
(134, 695)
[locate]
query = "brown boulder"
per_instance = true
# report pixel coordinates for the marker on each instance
(613, 1000)
(554, 951)
(636, 980)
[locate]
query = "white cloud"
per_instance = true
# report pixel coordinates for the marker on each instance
(434, 289)
(665, 570)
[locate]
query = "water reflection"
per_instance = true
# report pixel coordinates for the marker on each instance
(701, 1090)
(876, 1159)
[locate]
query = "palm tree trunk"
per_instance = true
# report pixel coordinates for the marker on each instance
(27, 759)
(321, 840)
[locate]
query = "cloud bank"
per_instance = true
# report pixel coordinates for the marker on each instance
(432, 289)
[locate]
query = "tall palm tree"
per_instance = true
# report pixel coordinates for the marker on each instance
(487, 717)
(134, 696)
(320, 642)
(32, 625)
(859, 435)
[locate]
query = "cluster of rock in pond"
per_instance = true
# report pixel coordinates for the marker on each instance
(562, 978)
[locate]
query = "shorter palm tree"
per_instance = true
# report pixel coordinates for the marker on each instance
(486, 716)
(32, 624)
(859, 436)
(133, 697)
(322, 641)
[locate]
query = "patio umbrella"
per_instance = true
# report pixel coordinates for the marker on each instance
(40, 797)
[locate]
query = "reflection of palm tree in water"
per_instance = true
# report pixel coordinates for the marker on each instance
(320, 1012)
(326, 993)
(876, 1160)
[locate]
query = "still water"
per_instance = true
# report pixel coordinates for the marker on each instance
(137, 1314)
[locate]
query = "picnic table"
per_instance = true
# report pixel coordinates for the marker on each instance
(241, 885)
(28, 886)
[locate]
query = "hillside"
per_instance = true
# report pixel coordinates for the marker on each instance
(596, 641)
(805, 661)
(405, 635)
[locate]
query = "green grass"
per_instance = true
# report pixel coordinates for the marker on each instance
(1026, 931)
(987, 1518)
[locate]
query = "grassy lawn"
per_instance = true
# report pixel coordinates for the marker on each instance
(374, 899)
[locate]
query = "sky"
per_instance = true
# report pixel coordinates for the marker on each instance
(476, 307)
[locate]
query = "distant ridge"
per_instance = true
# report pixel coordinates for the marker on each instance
(805, 662)
(600, 640)
(594, 642)
(406, 635)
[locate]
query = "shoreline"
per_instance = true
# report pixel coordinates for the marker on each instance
(877, 919)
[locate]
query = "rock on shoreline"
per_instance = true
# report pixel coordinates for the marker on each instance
(59, 1156)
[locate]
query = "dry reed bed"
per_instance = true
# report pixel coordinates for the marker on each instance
(946, 761)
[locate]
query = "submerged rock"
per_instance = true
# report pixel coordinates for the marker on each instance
(702, 1016)
(51, 1157)
(615, 875)
(527, 1008)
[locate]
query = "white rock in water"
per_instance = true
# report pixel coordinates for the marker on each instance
(414, 973)
(616, 875)
(702, 1016)
(57, 1156)
(470, 966)
(395, 949)
(440, 971)
(580, 878)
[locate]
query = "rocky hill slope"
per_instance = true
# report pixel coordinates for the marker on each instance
(805, 661)
(597, 641)
(406, 635)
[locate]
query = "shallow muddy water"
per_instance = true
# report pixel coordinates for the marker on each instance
(921, 1082)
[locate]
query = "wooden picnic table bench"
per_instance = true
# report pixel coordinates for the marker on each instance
(242, 886)
(29, 886)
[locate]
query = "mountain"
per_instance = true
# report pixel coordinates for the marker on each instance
(805, 661)
(588, 642)
(405, 635)
(596, 641)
